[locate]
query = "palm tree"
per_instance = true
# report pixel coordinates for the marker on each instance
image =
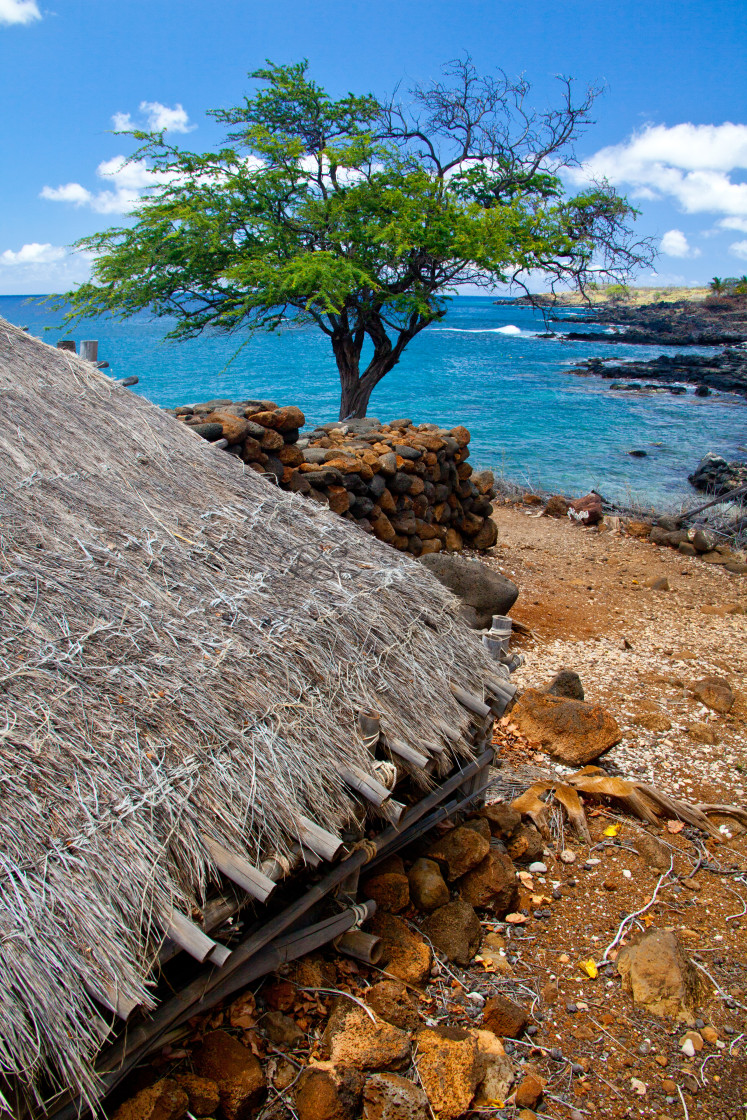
(717, 286)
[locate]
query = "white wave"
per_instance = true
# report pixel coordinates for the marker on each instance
(510, 329)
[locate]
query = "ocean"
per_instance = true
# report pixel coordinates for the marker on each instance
(483, 366)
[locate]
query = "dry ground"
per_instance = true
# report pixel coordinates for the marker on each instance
(583, 594)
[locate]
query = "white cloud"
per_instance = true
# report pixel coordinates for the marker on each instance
(160, 118)
(18, 11)
(675, 244)
(734, 223)
(693, 164)
(36, 268)
(33, 253)
(130, 179)
(739, 249)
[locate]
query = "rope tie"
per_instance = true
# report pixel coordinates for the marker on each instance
(386, 772)
(367, 846)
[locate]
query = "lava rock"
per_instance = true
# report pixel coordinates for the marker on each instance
(474, 584)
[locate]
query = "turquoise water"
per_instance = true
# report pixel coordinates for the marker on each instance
(530, 420)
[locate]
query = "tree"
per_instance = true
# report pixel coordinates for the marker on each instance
(359, 215)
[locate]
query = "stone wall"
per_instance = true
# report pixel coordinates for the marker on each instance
(409, 485)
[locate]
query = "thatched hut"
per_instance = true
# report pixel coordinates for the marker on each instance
(185, 651)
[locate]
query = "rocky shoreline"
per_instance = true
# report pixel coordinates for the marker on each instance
(725, 372)
(712, 322)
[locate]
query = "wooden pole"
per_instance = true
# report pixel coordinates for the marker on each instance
(89, 350)
(67, 344)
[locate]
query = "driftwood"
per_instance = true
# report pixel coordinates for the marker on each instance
(739, 492)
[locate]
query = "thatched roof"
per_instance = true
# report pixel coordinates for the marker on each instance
(183, 653)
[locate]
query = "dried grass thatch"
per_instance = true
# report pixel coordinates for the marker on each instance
(183, 653)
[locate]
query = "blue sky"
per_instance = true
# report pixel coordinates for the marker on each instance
(671, 129)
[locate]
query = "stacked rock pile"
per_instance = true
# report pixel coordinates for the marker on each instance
(409, 485)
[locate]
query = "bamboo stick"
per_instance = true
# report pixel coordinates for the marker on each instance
(322, 843)
(189, 936)
(360, 945)
(219, 955)
(108, 996)
(364, 784)
(239, 870)
(472, 703)
(409, 754)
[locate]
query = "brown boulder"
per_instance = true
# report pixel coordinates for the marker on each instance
(282, 1030)
(498, 1070)
(449, 1069)
(526, 845)
(352, 1039)
(324, 1093)
(504, 1018)
(281, 419)
(235, 1070)
(203, 1094)
(587, 510)
(556, 506)
(392, 1002)
(383, 529)
(530, 1090)
(651, 850)
(390, 890)
(503, 820)
(658, 974)
(492, 884)
(486, 536)
(570, 731)
(407, 956)
(458, 851)
(271, 440)
(455, 930)
(387, 1096)
(566, 683)
(428, 889)
(715, 693)
(338, 498)
(235, 428)
(163, 1101)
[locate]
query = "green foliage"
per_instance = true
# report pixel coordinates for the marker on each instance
(357, 215)
(731, 286)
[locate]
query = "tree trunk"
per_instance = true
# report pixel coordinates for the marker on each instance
(355, 395)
